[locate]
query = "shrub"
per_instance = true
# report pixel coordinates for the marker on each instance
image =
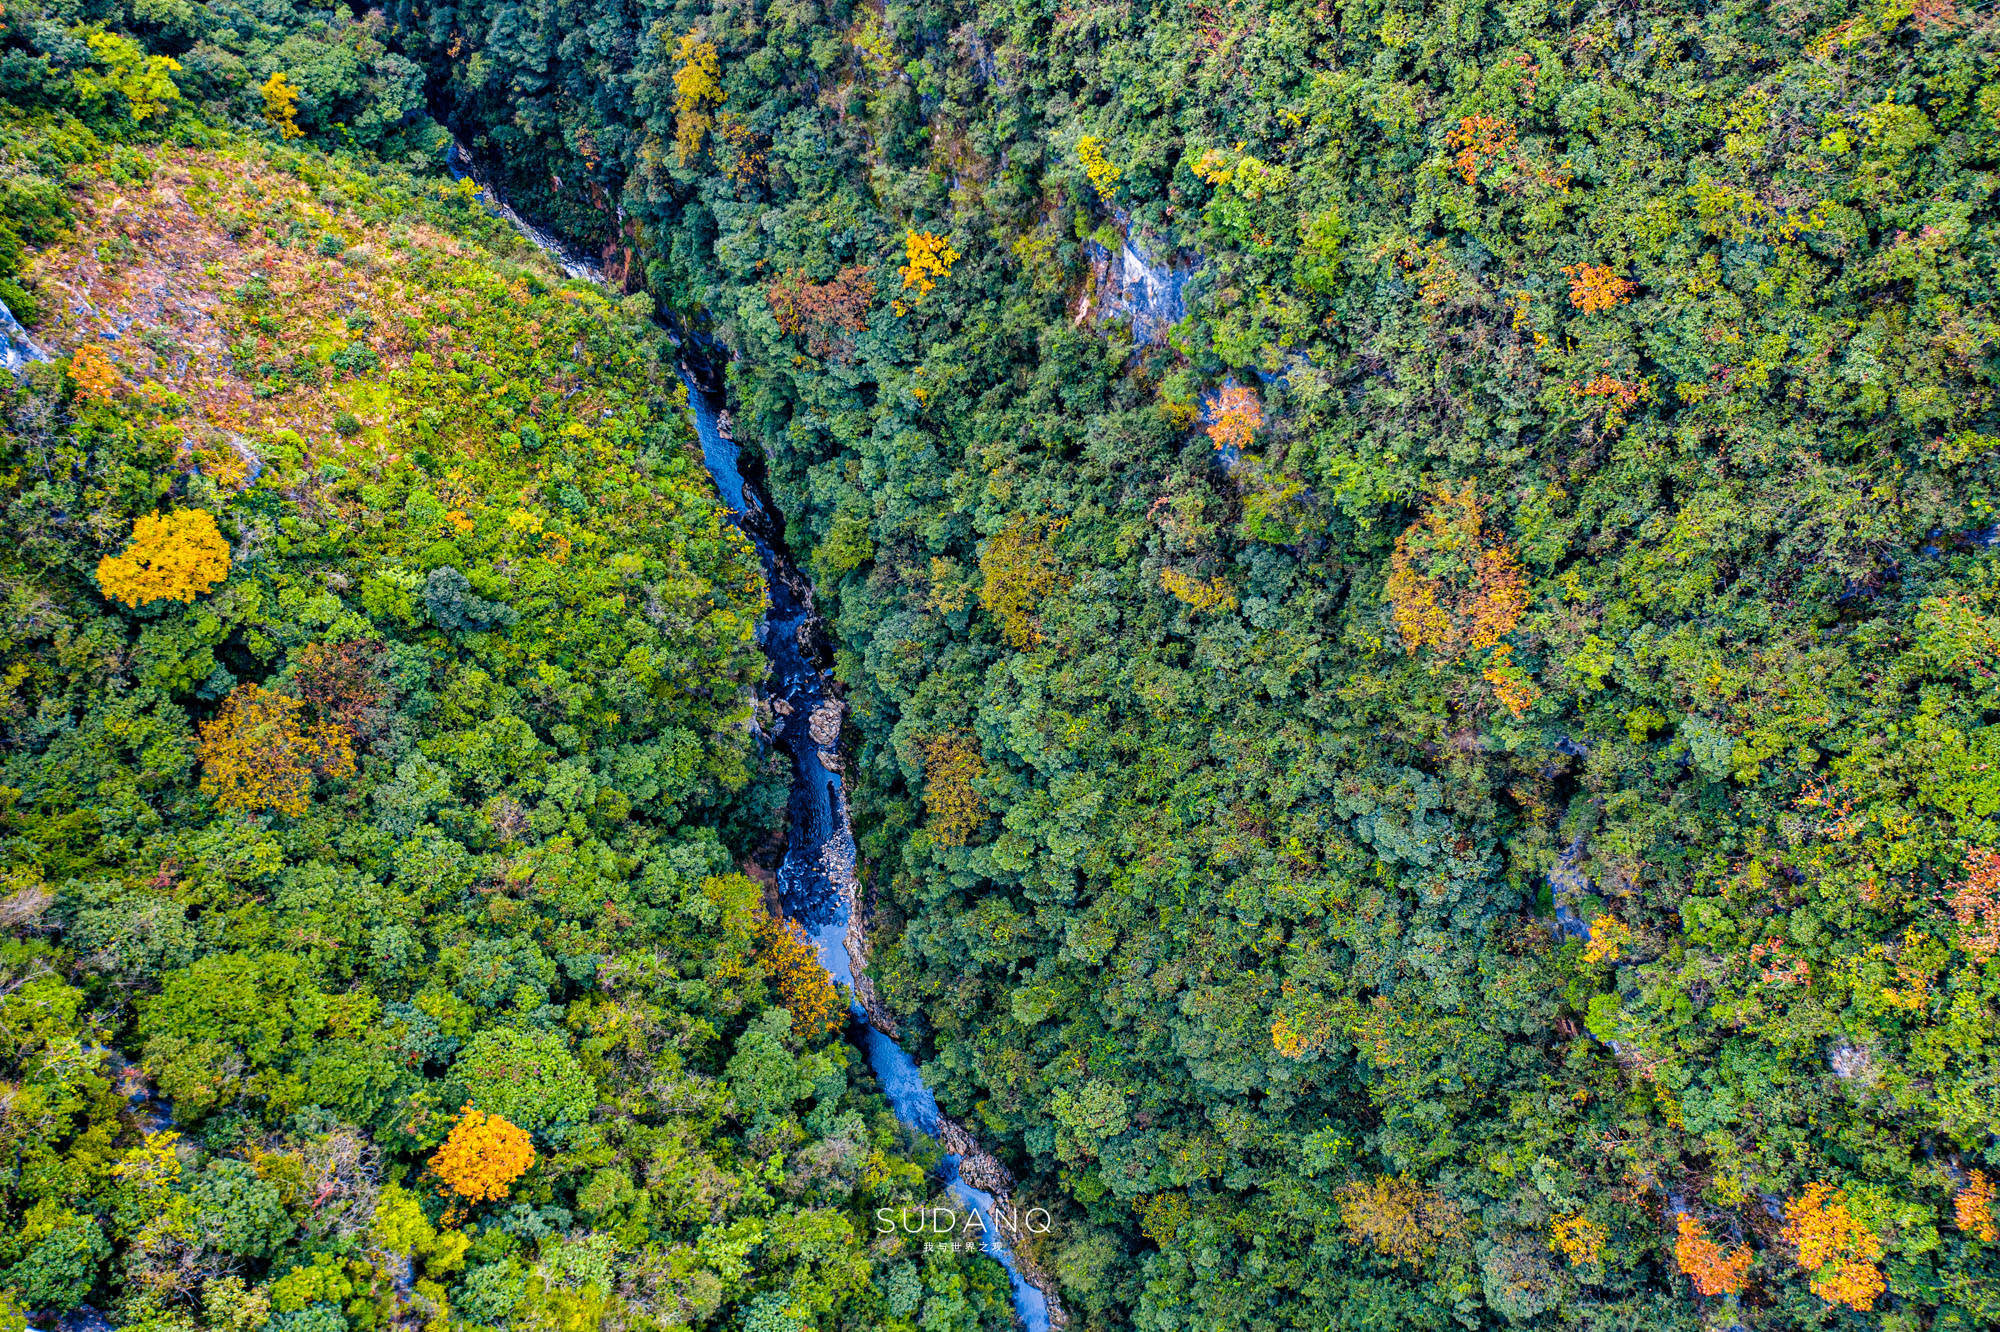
(60, 1265)
(528, 1078)
(236, 1212)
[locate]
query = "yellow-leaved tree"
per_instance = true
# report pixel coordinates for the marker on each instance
(926, 258)
(281, 106)
(697, 92)
(1578, 1239)
(171, 557)
(804, 987)
(1103, 172)
(482, 1156)
(951, 765)
(1018, 569)
(261, 752)
(1402, 1219)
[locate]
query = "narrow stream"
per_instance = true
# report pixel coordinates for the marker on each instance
(816, 881)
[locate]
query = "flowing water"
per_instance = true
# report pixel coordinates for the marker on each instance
(816, 881)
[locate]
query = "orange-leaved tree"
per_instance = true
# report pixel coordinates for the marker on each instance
(1511, 685)
(804, 987)
(1595, 287)
(1975, 903)
(1477, 140)
(482, 1156)
(171, 557)
(1972, 1208)
(1834, 1247)
(95, 377)
(1713, 1269)
(823, 311)
(260, 752)
(1235, 416)
(1454, 589)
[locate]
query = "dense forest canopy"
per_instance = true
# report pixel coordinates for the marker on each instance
(380, 756)
(1417, 587)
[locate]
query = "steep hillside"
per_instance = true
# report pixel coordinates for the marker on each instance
(1418, 590)
(1417, 587)
(378, 757)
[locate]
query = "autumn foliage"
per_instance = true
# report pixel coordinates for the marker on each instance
(1453, 590)
(823, 311)
(1234, 417)
(1477, 140)
(1595, 287)
(95, 377)
(1305, 1027)
(951, 766)
(1200, 594)
(482, 1156)
(1018, 569)
(1103, 172)
(804, 987)
(1511, 685)
(1578, 1239)
(1399, 1217)
(1713, 1269)
(341, 683)
(260, 752)
(1834, 1247)
(1972, 1208)
(1622, 392)
(697, 92)
(171, 557)
(281, 106)
(1975, 903)
(1287, 1039)
(926, 258)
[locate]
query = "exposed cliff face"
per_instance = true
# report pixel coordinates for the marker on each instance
(1131, 285)
(17, 349)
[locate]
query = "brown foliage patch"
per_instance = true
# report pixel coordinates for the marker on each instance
(827, 313)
